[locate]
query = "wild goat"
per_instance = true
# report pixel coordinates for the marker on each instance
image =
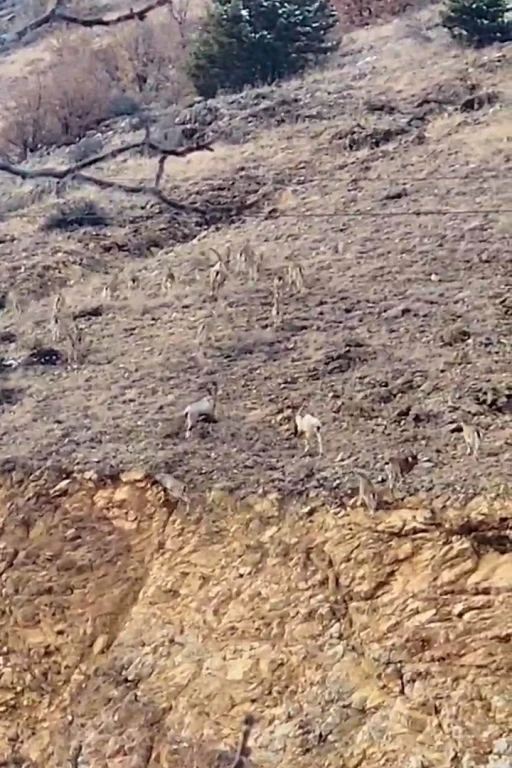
(295, 277)
(75, 343)
(250, 259)
(472, 437)
(57, 305)
(168, 280)
(55, 328)
(276, 312)
(367, 492)
(110, 288)
(133, 280)
(202, 410)
(218, 275)
(243, 744)
(56, 317)
(176, 488)
(203, 331)
(398, 467)
(308, 426)
(14, 302)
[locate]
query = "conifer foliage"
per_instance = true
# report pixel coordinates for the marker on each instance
(255, 42)
(478, 22)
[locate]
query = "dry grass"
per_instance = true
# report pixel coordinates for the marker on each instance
(365, 346)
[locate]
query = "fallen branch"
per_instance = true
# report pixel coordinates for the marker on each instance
(58, 13)
(73, 170)
(138, 189)
(146, 145)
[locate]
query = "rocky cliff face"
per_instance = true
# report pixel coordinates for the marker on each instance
(135, 632)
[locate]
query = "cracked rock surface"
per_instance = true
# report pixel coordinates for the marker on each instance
(135, 633)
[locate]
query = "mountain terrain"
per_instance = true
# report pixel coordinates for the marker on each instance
(157, 589)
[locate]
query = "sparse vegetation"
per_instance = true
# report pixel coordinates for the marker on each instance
(88, 147)
(361, 13)
(73, 214)
(115, 601)
(251, 42)
(89, 82)
(478, 22)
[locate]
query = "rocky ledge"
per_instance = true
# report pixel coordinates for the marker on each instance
(137, 630)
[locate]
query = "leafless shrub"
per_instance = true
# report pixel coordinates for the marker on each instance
(73, 214)
(88, 83)
(203, 332)
(15, 198)
(88, 147)
(55, 328)
(58, 106)
(179, 11)
(58, 304)
(56, 317)
(144, 62)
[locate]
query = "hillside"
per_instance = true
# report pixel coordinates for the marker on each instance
(130, 625)
(392, 192)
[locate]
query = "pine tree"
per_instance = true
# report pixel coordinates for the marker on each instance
(477, 22)
(254, 42)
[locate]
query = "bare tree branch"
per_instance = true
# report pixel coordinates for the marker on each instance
(138, 189)
(58, 13)
(72, 170)
(146, 144)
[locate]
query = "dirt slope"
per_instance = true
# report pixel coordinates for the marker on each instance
(131, 629)
(404, 327)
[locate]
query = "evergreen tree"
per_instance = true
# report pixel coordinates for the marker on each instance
(477, 22)
(253, 42)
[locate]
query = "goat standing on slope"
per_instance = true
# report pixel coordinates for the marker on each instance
(472, 437)
(367, 492)
(202, 410)
(308, 426)
(398, 467)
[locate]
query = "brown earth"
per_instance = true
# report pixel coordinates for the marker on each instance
(129, 627)
(394, 194)
(133, 631)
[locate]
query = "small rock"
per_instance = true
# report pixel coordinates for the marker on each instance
(100, 644)
(502, 747)
(133, 476)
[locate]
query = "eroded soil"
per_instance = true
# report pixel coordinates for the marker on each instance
(138, 632)
(134, 631)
